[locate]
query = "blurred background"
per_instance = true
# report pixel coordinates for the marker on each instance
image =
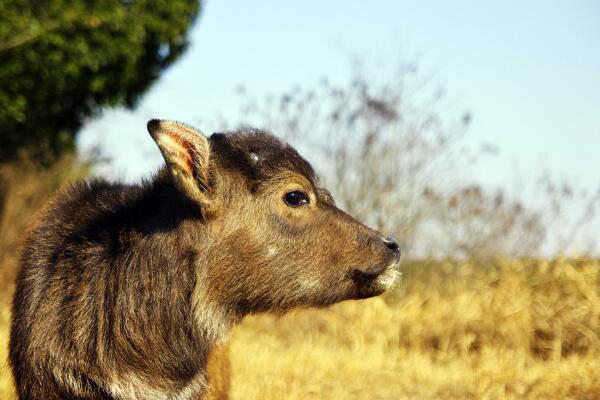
(469, 130)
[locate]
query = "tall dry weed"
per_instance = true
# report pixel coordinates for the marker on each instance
(393, 157)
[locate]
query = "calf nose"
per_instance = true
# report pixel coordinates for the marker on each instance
(392, 244)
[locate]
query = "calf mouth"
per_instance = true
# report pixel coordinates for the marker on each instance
(374, 281)
(390, 276)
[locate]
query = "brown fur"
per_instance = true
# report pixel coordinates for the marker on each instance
(129, 291)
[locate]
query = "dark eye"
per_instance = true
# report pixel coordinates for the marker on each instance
(295, 198)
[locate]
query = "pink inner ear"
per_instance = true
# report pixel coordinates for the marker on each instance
(184, 153)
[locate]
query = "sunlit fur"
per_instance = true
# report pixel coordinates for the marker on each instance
(125, 290)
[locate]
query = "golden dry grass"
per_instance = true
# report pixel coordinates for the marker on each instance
(6, 383)
(452, 330)
(510, 330)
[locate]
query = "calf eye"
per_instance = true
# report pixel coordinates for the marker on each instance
(295, 198)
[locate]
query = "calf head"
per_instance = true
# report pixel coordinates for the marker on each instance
(275, 239)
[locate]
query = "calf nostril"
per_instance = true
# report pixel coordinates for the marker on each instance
(392, 244)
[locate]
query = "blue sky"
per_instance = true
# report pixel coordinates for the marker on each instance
(529, 72)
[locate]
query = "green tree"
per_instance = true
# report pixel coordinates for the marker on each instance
(62, 61)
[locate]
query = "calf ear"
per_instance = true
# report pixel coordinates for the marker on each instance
(186, 151)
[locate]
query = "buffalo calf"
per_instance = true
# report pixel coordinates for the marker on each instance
(128, 291)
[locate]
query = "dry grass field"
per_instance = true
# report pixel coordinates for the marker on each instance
(508, 330)
(496, 329)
